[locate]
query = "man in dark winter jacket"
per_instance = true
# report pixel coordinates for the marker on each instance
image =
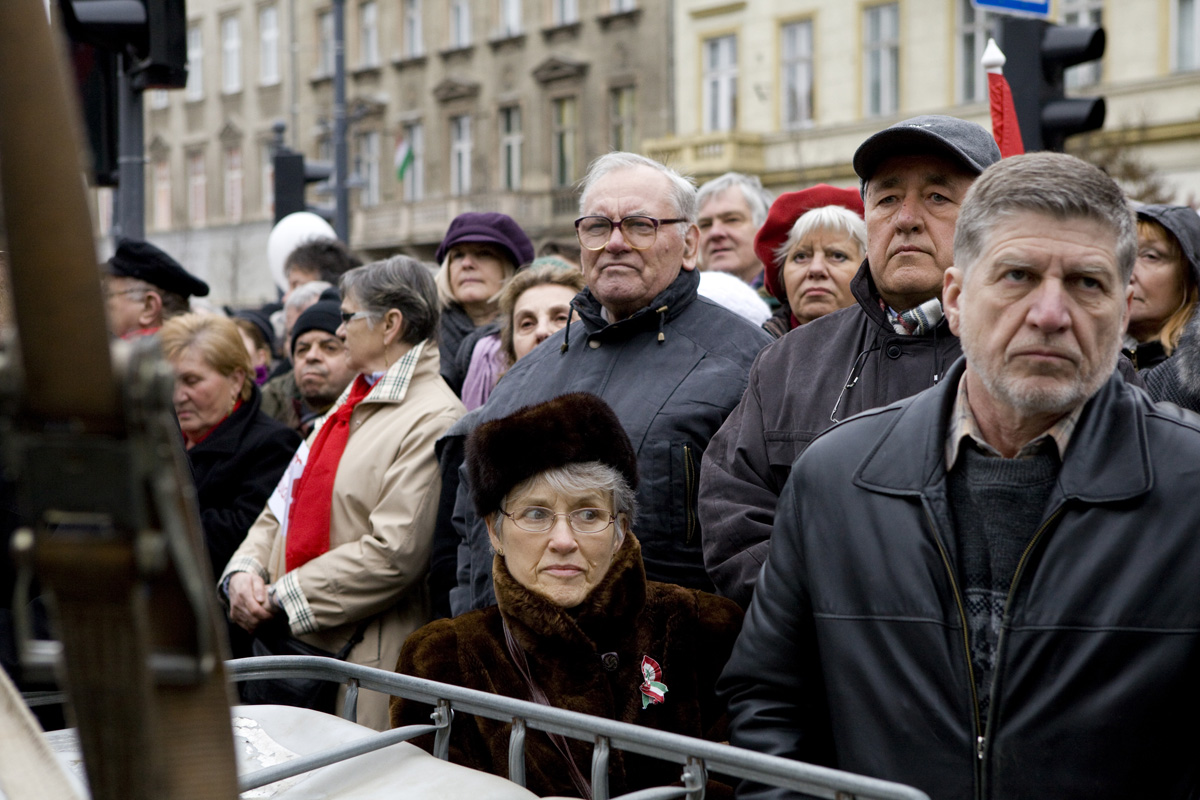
(670, 363)
(987, 590)
(890, 345)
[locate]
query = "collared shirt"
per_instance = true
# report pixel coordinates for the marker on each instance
(963, 424)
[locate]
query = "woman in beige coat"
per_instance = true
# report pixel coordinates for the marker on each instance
(348, 545)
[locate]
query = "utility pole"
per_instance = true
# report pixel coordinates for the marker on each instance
(341, 192)
(130, 219)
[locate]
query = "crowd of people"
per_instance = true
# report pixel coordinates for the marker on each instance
(876, 478)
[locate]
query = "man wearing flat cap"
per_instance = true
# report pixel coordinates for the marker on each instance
(891, 344)
(144, 286)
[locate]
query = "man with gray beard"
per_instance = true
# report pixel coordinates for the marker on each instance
(989, 589)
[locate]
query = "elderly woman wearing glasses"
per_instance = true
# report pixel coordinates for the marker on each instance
(576, 624)
(339, 562)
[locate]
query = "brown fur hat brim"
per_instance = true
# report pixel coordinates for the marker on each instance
(570, 429)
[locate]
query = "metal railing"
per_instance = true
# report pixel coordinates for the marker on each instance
(697, 756)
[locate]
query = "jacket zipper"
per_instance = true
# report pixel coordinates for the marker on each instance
(689, 479)
(966, 638)
(1012, 591)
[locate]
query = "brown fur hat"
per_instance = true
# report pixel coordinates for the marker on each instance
(570, 429)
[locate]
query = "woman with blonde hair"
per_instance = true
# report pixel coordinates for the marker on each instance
(1166, 282)
(237, 452)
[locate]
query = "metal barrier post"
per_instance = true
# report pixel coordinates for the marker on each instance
(516, 752)
(695, 778)
(442, 716)
(600, 769)
(350, 706)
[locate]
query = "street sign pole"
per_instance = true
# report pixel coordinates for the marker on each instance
(131, 186)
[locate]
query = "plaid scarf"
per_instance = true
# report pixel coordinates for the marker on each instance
(916, 321)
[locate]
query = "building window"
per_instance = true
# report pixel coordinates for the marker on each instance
(565, 123)
(974, 28)
(720, 83)
(325, 65)
(881, 55)
(366, 168)
(621, 118)
(197, 191)
(104, 210)
(460, 23)
(510, 147)
(268, 45)
(231, 55)
(460, 155)
(1187, 35)
(623, 5)
(195, 57)
(510, 19)
(162, 195)
(797, 78)
(413, 176)
(414, 44)
(233, 183)
(564, 12)
(267, 179)
(1082, 12)
(368, 19)
(158, 98)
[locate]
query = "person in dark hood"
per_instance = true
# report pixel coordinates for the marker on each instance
(1166, 282)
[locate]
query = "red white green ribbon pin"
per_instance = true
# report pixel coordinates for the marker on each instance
(653, 689)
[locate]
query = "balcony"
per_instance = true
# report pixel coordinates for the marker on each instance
(398, 223)
(710, 154)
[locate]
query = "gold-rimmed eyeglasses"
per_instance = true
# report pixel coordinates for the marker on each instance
(538, 519)
(639, 231)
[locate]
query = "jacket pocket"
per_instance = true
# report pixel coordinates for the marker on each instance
(691, 482)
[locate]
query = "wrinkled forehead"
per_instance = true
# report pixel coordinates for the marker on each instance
(922, 169)
(630, 190)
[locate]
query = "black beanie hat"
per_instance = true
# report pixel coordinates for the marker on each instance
(570, 429)
(323, 315)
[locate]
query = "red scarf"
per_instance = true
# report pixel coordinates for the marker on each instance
(308, 519)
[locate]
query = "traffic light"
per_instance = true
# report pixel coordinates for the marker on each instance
(292, 176)
(153, 33)
(1037, 53)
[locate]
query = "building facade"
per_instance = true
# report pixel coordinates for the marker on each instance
(787, 89)
(452, 106)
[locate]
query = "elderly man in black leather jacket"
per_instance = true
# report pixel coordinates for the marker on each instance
(671, 364)
(988, 590)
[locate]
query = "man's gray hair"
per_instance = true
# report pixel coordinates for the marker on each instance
(401, 283)
(757, 198)
(306, 294)
(683, 189)
(1055, 184)
(579, 478)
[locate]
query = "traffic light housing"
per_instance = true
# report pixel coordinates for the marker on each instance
(293, 174)
(1037, 53)
(153, 33)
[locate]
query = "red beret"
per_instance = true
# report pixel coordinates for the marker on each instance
(788, 208)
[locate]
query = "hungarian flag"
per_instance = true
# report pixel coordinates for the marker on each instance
(1005, 127)
(403, 157)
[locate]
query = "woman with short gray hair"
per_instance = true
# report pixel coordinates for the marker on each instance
(350, 572)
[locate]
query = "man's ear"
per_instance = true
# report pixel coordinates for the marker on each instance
(952, 297)
(151, 315)
(1128, 309)
(691, 247)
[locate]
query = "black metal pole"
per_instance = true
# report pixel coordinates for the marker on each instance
(130, 219)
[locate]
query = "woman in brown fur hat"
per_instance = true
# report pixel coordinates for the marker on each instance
(576, 625)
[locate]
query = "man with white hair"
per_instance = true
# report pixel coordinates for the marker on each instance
(732, 209)
(670, 363)
(988, 589)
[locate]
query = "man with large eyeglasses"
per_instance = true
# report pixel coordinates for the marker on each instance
(671, 364)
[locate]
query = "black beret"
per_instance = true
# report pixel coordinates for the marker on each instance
(141, 260)
(570, 429)
(323, 315)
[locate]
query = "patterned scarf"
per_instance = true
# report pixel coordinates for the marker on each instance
(916, 321)
(308, 519)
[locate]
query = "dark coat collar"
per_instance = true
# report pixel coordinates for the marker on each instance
(1107, 460)
(228, 435)
(862, 286)
(674, 299)
(607, 614)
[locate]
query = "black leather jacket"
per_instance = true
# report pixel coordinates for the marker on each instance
(854, 655)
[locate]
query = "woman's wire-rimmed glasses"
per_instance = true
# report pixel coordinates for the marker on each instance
(640, 232)
(538, 519)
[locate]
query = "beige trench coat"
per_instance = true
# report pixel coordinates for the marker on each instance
(385, 499)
